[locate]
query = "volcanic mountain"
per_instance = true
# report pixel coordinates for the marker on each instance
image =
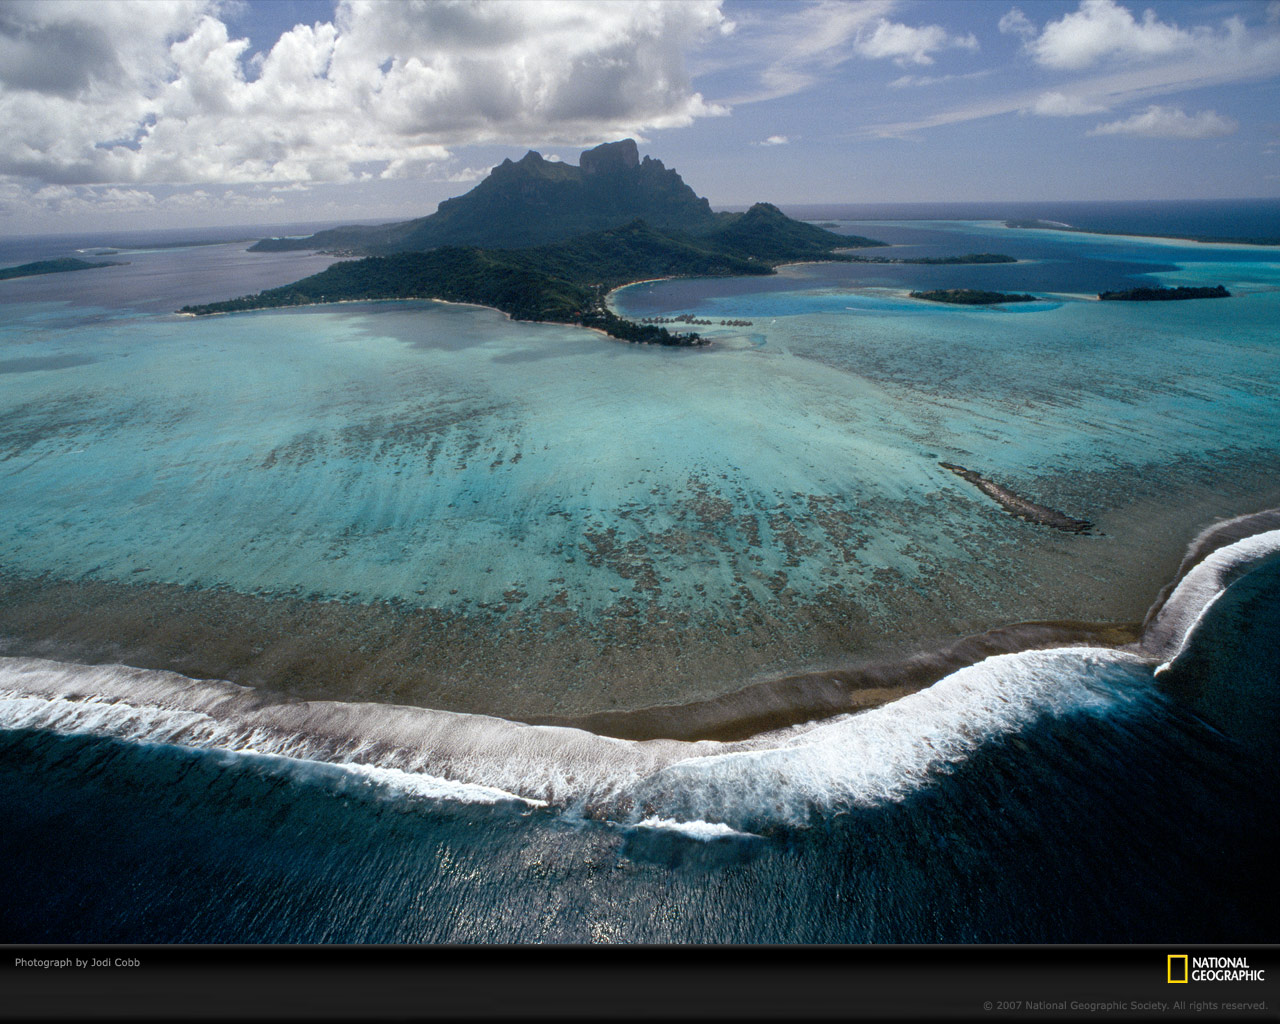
(534, 201)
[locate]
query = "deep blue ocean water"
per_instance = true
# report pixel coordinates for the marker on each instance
(445, 458)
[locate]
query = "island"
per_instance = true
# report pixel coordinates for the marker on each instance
(969, 257)
(189, 243)
(58, 266)
(1217, 291)
(1041, 225)
(543, 240)
(565, 282)
(515, 243)
(1056, 225)
(971, 297)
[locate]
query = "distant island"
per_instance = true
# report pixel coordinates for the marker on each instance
(1165, 294)
(971, 297)
(517, 242)
(969, 257)
(58, 266)
(1054, 225)
(194, 243)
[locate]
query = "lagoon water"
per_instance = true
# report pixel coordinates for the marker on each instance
(278, 590)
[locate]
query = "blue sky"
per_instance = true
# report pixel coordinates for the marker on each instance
(190, 112)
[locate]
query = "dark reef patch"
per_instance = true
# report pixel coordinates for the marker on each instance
(1019, 506)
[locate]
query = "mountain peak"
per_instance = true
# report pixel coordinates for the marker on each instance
(610, 156)
(533, 201)
(765, 210)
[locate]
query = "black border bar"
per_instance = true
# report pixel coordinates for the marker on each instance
(943, 983)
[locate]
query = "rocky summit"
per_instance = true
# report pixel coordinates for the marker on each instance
(533, 201)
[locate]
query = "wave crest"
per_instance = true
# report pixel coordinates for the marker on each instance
(703, 788)
(782, 777)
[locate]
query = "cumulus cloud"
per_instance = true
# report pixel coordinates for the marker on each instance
(907, 44)
(1110, 59)
(1102, 28)
(157, 91)
(67, 48)
(1058, 104)
(775, 140)
(1170, 123)
(82, 202)
(1016, 23)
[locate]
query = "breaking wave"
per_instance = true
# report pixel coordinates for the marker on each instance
(777, 778)
(704, 789)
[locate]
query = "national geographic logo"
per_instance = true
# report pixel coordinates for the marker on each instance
(1184, 968)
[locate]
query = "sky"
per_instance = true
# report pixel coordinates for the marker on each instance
(169, 113)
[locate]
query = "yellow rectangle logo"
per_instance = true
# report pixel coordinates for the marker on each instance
(1181, 960)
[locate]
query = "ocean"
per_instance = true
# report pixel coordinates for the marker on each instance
(404, 622)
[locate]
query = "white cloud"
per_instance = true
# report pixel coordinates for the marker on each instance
(775, 140)
(81, 202)
(919, 81)
(1194, 58)
(1016, 23)
(67, 48)
(1058, 104)
(1170, 123)
(1102, 28)
(121, 91)
(907, 44)
(796, 47)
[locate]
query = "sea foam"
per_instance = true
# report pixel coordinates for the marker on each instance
(1172, 625)
(704, 789)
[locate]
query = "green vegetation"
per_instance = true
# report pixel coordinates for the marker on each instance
(969, 257)
(564, 281)
(971, 297)
(766, 233)
(454, 274)
(508, 281)
(635, 252)
(58, 266)
(1165, 294)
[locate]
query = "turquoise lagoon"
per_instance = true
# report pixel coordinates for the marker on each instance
(402, 511)
(687, 520)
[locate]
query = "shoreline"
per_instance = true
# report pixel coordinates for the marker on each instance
(702, 343)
